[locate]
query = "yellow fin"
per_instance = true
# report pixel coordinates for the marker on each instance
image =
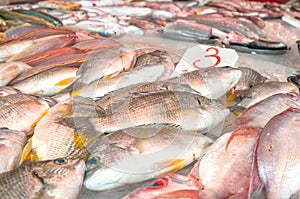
(230, 98)
(173, 165)
(237, 113)
(41, 116)
(65, 82)
(28, 153)
(75, 92)
(293, 90)
(81, 141)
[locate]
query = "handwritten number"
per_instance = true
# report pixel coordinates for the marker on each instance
(215, 55)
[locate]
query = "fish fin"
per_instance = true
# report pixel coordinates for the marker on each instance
(65, 82)
(172, 165)
(30, 133)
(76, 92)
(41, 116)
(28, 153)
(231, 98)
(237, 110)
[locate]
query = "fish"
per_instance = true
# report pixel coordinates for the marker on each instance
(169, 186)
(39, 58)
(101, 87)
(277, 155)
(106, 65)
(52, 140)
(49, 82)
(45, 44)
(225, 170)
(11, 145)
(92, 44)
(14, 47)
(15, 98)
(64, 61)
(46, 17)
(17, 32)
(159, 149)
(45, 32)
(261, 91)
(13, 15)
(211, 82)
(138, 12)
(23, 115)
(106, 102)
(249, 79)
(259, 114)
(190, 111)
(223, 24)
(187, 30)
(10, 70)
(60, 178)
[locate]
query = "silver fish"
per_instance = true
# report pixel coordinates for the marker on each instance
(159, 149)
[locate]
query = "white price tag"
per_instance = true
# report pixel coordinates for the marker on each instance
(204, 56)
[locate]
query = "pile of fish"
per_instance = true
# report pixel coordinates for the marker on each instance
(81, 107)
(235, 24)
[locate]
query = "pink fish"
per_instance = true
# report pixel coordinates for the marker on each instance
(169, 186)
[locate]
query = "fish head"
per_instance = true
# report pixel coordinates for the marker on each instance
(170, 186)
(61, 177)
(249, 79)
(293, 100)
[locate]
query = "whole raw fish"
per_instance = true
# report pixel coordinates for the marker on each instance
(101, 87)
(64, 61)
(262, 91)
(49, 82)
(111, 98)
(39, 58)
(260, 113)
(59, 178)
(225, 170)
(45, 44)
(23, 115)
(10, 70)
(52, 140)
(277, 155)
(191, 111)
(169, 186)
(159, 149)
(211, 82)
(11, 146)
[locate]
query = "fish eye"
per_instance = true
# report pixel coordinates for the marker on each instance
(60, 161)
(292, 95)
(157, 184)
(92, 161)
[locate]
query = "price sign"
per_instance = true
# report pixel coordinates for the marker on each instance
(204, 56)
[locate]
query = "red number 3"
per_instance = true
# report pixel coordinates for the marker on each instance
(215, 55)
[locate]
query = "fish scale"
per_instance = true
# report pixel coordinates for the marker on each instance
(163, 107)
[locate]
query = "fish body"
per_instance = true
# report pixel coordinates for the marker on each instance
(191, 111)
(49, 82)
(159, 149)
(169, 186)
(11, 145)
(260, 92)
(225, 170)
(260, 113)
(187, 30)
(8, 90)
(59, 178)
(23, 115)
(277, 155)
(212, 82)
(10, 70)
(92, 44)
(52, 140)
(111, 98)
